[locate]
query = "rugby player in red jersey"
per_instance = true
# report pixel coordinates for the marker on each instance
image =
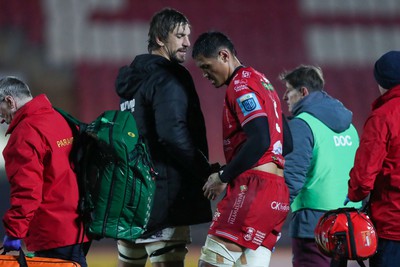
(249, 218)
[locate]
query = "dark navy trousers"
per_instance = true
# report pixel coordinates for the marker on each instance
(75, 253)
(388, 254)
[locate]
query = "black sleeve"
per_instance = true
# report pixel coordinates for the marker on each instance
(287, 137)
(170, 106)
(258, 141)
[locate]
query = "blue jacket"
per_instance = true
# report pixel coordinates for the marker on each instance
(338, 118)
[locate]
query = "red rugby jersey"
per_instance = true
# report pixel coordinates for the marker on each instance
(250, 95)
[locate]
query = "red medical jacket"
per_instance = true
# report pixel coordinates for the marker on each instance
(44, 190)
(377, 165)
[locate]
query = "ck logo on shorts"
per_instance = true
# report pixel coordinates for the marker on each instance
(279, 206)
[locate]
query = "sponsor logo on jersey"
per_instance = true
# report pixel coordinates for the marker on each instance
(240, 87)
(227, 145)
(240, 84)
(259, 238)
(246, 74)
(277, 128)
(277, 148)
(217, 214)
(240, 81)
(248, 103)
(267, 86)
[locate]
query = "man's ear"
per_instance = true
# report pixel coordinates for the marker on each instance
(159, 42)
(304, 91)
(224, 55)
(10, 101)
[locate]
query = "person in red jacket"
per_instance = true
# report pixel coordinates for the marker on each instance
(44, 190)
(376, 171)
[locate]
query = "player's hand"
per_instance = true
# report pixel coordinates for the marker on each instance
(214, 186)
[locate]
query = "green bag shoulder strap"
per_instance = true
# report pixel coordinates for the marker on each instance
(69, 117)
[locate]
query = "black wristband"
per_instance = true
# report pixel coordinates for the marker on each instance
(222, 177)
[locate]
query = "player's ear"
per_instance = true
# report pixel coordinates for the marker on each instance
(224, 55)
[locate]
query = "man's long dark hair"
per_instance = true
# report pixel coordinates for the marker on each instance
(162, 24)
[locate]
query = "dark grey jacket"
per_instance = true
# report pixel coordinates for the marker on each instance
(338, 118)
(162, 97)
